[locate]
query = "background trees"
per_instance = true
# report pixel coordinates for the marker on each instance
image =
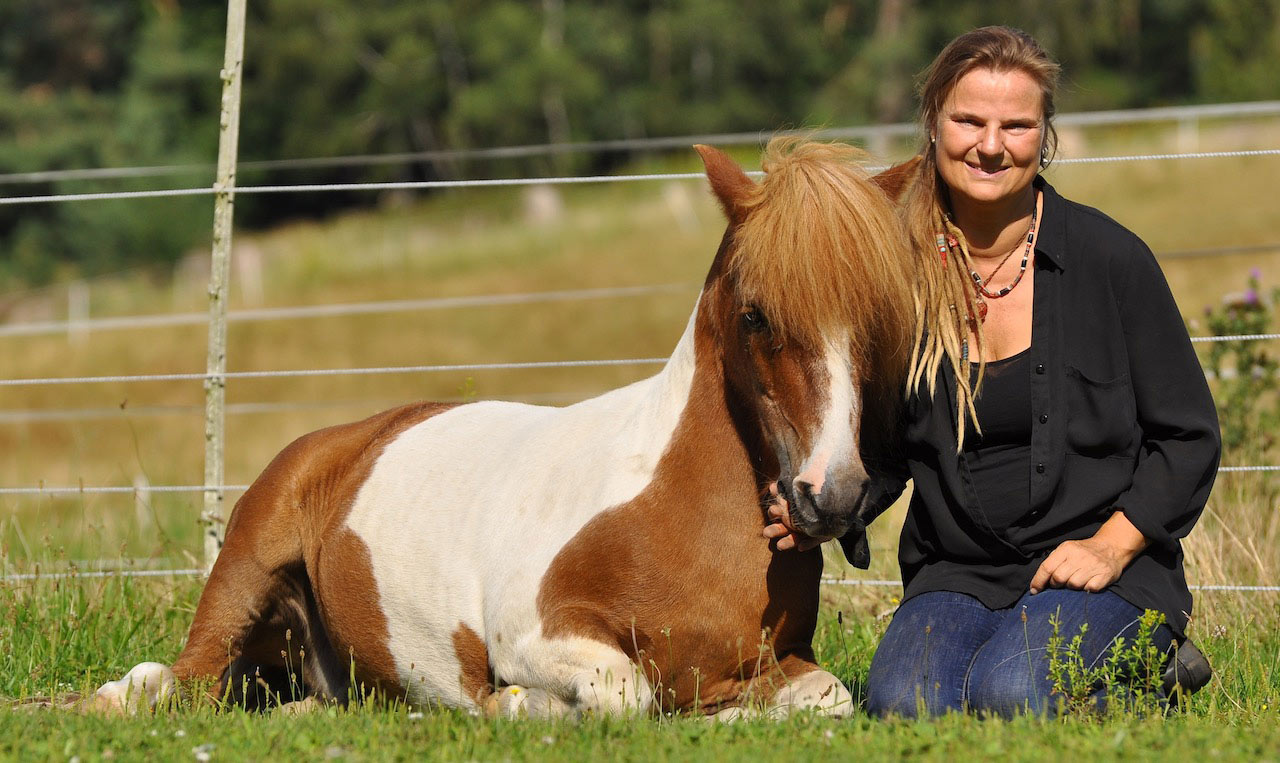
(134, 83)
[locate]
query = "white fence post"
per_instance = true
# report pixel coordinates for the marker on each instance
(78, 311)
(223, 212)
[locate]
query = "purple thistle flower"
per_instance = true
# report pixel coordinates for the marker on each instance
(1251, 296)
(1255, 273)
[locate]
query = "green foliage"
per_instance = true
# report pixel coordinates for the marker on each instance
(1246, 373)
(135, 83)
(1126, 680)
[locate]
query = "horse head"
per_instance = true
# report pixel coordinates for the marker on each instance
(809, 299)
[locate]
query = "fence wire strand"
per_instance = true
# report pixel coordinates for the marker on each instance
(501, 182)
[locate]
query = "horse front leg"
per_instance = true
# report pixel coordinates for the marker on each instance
(579, 677)
(816, 691)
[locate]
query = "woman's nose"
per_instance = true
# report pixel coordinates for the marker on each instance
(990, 143)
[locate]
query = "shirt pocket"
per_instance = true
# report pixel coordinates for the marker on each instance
(1101, 416)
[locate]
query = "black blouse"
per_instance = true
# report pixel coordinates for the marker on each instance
(1121, 419)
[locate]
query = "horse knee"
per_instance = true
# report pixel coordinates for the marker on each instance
(148, 686)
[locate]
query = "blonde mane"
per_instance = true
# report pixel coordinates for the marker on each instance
(821, 247)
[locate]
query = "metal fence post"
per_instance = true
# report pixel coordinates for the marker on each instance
(223, 213)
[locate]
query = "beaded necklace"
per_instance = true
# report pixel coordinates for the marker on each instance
(951, 241)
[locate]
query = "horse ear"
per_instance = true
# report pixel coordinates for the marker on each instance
(895, 180)
(729, 183)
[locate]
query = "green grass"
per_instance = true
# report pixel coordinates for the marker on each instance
(72, 635)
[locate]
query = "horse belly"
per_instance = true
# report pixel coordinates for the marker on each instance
(463, 514)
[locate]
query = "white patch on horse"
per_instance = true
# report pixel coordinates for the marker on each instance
(464, 513)
(835, 442)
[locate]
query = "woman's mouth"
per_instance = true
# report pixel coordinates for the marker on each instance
(983, 172)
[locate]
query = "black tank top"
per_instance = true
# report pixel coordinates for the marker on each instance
(999, 460)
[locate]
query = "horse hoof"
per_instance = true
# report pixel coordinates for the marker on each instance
(733, 715)
(300, 707)
(508, 702)
(148, 686)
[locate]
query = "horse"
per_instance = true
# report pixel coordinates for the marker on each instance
(604, 557)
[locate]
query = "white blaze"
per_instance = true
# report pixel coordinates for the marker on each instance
(835, 442)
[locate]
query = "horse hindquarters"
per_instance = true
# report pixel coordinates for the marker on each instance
(256, 630)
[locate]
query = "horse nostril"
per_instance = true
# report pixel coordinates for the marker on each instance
(804, 489)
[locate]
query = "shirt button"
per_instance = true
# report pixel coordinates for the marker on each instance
(1040, 368)
(1044, 418)
(1039, 468)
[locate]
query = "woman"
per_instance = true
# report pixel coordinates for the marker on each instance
(1087, 440)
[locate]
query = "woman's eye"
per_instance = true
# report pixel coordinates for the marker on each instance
(754, 320)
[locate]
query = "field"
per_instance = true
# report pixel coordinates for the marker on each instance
(70, 635)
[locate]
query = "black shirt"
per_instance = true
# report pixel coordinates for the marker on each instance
(1121, 418)
(998, 457)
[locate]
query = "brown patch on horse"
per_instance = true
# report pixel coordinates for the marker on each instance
(474, 676)
(895, 180)
(288, 555)
(697, 599)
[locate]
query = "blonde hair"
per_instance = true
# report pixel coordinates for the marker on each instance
(945, 293)
(820, 246)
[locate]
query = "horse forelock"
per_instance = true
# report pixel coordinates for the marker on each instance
(821, 250)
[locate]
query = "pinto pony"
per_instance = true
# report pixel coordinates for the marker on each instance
(606, 556)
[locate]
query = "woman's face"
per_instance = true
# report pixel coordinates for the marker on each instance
(989, 135)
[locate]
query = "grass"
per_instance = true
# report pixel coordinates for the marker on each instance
(60, 636)
(72, 635)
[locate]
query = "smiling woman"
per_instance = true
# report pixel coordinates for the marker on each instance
(1058, 430)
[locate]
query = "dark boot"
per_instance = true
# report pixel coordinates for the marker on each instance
(1186, 673)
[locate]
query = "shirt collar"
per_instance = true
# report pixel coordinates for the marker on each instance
(1051, 241)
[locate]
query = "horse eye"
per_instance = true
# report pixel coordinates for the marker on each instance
(754, 320)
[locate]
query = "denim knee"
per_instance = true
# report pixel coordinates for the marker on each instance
(1009, 685)
(901, 695)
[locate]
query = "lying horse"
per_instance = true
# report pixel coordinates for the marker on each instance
(605, 556)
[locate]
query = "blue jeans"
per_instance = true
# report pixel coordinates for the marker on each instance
(949, 652)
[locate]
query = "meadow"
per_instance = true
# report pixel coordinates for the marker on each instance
(67, 635)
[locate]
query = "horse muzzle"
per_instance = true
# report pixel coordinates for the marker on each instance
(827, 514)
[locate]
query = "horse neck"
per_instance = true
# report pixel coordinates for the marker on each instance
(715, 441)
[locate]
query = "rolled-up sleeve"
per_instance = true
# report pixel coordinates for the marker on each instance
(1180, 442)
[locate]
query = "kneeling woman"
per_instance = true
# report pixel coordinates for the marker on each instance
(1087, 440)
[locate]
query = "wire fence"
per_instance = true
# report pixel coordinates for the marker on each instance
(218, 379)
(160, 320)
(1179, 114)
(165, 320)
(425, 185)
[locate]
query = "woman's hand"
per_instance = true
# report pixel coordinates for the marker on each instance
(780, 528)
(1094, 563)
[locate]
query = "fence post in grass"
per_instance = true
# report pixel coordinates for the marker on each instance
(215, 383)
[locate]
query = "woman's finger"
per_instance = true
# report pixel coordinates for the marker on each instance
(1044, 573)
(1080, 577)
